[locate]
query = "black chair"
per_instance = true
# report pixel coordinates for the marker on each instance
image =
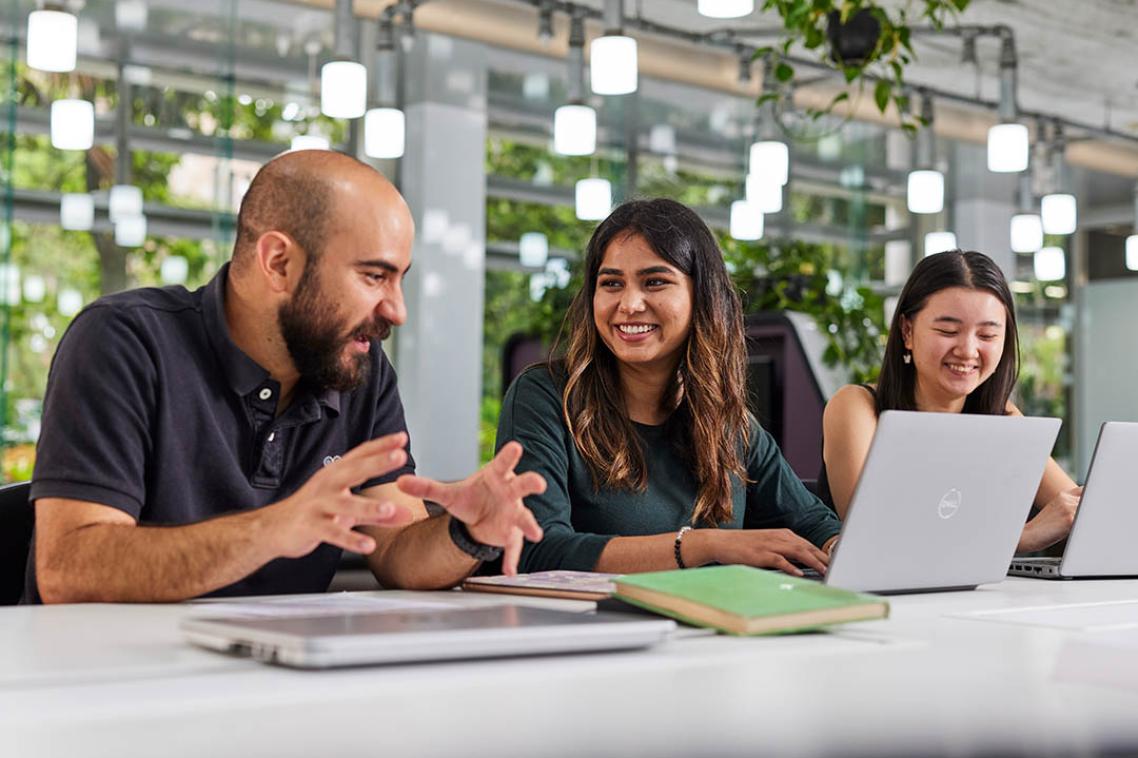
(16, 521)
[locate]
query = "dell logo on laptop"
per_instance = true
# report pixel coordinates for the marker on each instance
(949, 504)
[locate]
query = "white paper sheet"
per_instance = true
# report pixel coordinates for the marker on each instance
(1087, 617)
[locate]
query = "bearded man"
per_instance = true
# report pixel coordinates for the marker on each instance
(236, 439)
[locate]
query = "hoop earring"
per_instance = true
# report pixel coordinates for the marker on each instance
(907, 358)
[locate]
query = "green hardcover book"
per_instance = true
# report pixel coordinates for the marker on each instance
(745, 600)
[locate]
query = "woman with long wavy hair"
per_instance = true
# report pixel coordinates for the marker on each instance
(642, 432)
(952, 348)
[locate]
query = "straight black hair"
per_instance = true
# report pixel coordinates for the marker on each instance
(956, 268)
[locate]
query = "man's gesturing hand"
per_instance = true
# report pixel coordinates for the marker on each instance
(489, 502)
(325, 510)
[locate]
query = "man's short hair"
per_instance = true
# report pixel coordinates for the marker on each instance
(290, 194)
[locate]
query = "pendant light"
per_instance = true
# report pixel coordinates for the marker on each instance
(925, 191)
(1008, 144)
(593, 199)
(53, 38)
(130, 231)
(125, 201)
(746, 221)
(131, 15)
(1132, 240)
(726, 8)
(612, 57)
(1059, 208)
(76, 212)
(310, 142)
(575, 123)
(343, 81)
(35, 288)
(1060, 213)
(385, 126)
(533, 249)
(768, 159)
(1050, 264)
(939, 242)
(72, 125)
(765, 196)
(1026, 230)
(69, 301)
(175, 269)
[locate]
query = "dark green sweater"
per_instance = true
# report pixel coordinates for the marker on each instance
(579, 521)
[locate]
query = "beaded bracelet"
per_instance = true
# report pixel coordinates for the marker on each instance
(679, 541)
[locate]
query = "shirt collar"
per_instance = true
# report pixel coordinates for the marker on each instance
(243, 374)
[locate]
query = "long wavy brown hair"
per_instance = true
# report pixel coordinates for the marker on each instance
(707, 395)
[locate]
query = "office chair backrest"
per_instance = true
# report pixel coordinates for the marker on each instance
(16, 521)
(783, 391)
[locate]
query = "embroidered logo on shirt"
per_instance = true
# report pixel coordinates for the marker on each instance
(330, 459)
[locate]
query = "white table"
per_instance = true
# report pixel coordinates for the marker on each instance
(118, 680)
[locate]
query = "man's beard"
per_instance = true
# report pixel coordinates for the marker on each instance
(316, 340)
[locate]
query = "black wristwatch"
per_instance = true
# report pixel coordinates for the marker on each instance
(467, 544)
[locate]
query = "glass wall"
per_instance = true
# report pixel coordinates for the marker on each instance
(190, 102)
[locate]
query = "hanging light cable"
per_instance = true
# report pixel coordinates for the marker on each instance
(385, 126)
(612, 57)
(1008, 145)
(575, 124)
(926, 184)
(343, 80)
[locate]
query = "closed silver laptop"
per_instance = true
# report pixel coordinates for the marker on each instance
(354, 639)
(941, 501)
(1101, 542)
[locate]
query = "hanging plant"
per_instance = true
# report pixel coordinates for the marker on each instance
(863, 40)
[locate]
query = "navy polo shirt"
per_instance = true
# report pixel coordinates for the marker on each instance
(152, 409)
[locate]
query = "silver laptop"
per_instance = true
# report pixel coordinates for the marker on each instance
(941, 501)
(1101, 542)
(354, 639)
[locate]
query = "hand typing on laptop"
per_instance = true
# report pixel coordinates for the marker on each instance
(779, 549)
(1052, 523)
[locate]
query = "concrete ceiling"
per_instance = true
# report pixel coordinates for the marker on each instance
(1077, 58)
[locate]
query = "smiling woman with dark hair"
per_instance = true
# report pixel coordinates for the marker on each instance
(952, 348)
(642, 430)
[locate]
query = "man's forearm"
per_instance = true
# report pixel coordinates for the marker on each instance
(123, 563)
(420, 556)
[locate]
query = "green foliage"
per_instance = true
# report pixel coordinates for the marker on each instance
(516, 160)
(488, 426)
(806, 22)
(798, 276)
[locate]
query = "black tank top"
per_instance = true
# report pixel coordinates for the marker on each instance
(824, 493)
